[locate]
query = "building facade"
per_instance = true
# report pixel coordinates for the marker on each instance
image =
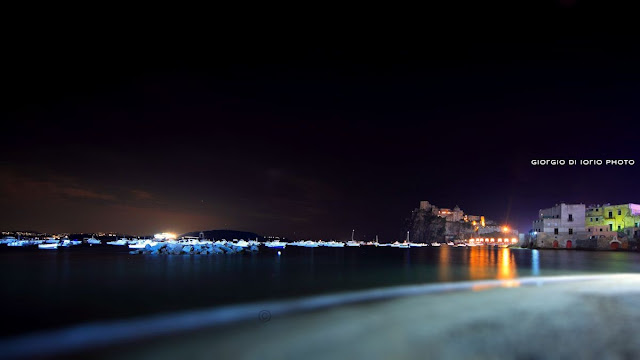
(560, 226)
(621, 219)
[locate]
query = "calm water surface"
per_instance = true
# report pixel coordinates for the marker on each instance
(49, 289)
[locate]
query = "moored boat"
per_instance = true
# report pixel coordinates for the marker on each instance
(93, 241)
(52, 246)
(334, 244)
(277, 244)
(119, 242)
(400, 245)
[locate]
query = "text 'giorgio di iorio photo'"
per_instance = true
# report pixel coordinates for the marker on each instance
(583, 162)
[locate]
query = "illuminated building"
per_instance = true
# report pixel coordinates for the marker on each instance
(450, 215)
(608, 218)
(461, 226)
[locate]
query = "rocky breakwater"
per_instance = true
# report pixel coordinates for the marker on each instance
(194, 249)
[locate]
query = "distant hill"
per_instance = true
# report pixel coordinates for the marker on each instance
(226, 234)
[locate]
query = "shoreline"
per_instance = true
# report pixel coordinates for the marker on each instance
(593, 319)
(146, 335)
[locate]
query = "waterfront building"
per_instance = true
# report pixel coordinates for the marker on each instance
(622, 219)
(560, 226)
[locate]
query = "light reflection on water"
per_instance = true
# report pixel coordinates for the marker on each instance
(45, 289)
(535, 262)
(444, 262)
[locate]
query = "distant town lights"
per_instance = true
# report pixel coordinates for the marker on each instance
(165, 236)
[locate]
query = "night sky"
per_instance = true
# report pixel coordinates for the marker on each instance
(313, 136)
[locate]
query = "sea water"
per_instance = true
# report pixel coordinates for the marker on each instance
(52, 289)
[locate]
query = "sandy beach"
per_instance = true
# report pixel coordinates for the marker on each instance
(590, 319)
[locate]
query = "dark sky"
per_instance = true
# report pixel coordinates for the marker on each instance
(314, 135)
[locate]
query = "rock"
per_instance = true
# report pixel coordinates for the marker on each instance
(174, 249)
(187, 249)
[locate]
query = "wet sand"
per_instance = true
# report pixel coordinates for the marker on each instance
(595, 319)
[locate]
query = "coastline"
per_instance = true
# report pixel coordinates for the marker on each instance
(480, 319)
(595, 319)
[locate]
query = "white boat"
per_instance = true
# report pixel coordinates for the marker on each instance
(242, 243)
(353, 243)
(8, 239)
(310, 244)
(275, 244)
(120, 242)
(52, 246)
(450, 243)
(334, 244)
(435, 244)
(142, 244)
(400, 245)
(68, 243)
(19, 243)
(93, 241)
